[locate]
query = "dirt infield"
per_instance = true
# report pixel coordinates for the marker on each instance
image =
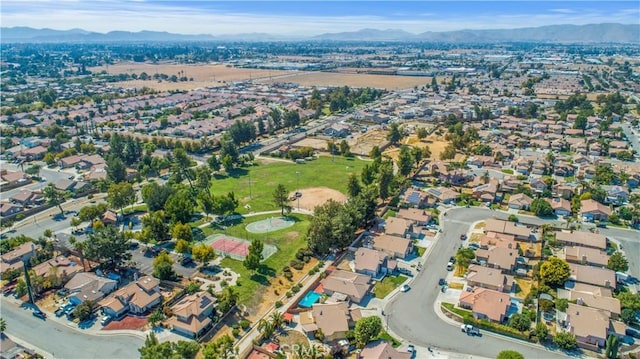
(312, 197)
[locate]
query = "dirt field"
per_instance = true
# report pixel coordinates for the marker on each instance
(388, 82)
(362, 144)
(312, 197)
(315, 143)
(203, 74)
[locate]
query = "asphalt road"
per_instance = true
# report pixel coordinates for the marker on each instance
(633, 138)
(63, 341)
(412, 316)
(50, 175)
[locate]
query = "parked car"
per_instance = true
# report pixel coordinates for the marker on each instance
(405, 288)
(105, 320)
(452, 259)
(449, 266)
(442, 281)
(474, 246)
(411, 349)
(463, 237)
(470, 329)
(186, 261)
(40, 314)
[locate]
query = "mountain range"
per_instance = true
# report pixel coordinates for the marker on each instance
(592, 33)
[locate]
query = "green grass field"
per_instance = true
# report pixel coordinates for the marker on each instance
(322, 172)
(287, 240)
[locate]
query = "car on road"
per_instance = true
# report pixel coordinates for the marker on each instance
(442, 281)
(469, 329)
(411, 349)
(449, 266)
(405, 288)
(463, 237)
(39, 314)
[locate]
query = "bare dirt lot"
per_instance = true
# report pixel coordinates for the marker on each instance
(388, 82)
(202, 74)
(312, 197)
(315, 143)
(362, 144)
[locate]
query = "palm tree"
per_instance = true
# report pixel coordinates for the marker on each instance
(277, 320)
(266, 328)
(3, 326)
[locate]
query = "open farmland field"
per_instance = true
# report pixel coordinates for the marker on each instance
(203, 74)
(388, 82)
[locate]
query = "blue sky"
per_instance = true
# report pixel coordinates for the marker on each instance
(307, 17)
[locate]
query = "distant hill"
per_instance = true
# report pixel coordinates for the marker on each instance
(555, 33)
(593, 33)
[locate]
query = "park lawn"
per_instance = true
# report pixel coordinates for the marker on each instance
(388, 284)
(258, 193)
(287, 240)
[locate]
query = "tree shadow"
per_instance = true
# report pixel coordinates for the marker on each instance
(262, 279)
(266, 270)
(238, 172)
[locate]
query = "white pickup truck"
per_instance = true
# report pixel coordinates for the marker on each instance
(470, 329)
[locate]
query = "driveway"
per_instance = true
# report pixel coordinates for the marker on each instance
(427, 329)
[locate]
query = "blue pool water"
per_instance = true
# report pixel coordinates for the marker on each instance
(309, 299)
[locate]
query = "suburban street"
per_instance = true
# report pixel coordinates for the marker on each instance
(65, 342)
(426, 328)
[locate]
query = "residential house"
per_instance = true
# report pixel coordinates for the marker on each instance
(591, 326)
(520, 201)
(538, 185)
(88, 286)
(486, 304)
(109, 217)
(337, 130)
(13, 259)
(138, 298)
(560, 206)
(520, 232)
(591, 210)
(354, 285)
(26, 198)
(418, 217)
(610, 304)
(333, 319)
(487, 192)
(372, 262)
(586, 255)
(498, 239)
(192, 314)
(582, 239)
(382, 350)
(415, 198)
(395, 226)
(61, 265)
(504, 259)
(564, 190)
(592, 275)
(396, 247)
(443, 194)
(13, 178)
(9, 209)
(616, 194)
(490, 278)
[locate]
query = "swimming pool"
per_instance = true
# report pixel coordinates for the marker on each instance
(309, 299)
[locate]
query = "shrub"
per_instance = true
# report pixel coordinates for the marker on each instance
(244, 324)
(235, 332)
(289, 294)
(296, 264)
(278, 304)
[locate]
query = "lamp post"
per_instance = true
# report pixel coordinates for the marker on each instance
(298, 188)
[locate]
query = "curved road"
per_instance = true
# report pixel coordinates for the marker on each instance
(412, 316)
(61, 341)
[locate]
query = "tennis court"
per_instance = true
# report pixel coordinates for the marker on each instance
(236, 248)
(270, 224)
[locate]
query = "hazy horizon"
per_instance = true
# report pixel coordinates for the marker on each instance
(307, 18)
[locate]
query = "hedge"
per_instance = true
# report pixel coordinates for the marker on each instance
(468, 318)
